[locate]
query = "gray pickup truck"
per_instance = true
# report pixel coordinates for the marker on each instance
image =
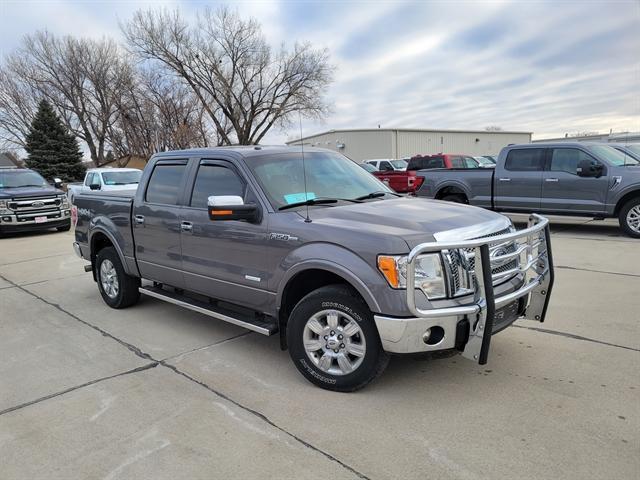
(578, 179)
(312, 247)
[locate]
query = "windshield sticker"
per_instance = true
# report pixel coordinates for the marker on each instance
(299, 197)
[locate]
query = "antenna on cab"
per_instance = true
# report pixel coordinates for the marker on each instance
(304, 170)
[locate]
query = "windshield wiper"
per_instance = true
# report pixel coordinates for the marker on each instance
(319, 201)
(376, 195)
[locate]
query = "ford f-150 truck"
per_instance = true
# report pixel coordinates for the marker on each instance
(28, 202)
(106, 179)
(310, 246)
(582, 179)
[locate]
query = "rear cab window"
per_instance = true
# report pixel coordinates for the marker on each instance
(525, 160)
(422, 163)
(165, 184)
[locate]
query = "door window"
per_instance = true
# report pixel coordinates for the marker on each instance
(567, 159)
(165, 183)
(471, 162)
(385, 166)
(525, 160)
(457, 162)
(89, 179)
(215, 180)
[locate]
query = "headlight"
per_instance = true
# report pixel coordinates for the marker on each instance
(64, 200)
(429, 273)
(4, 207)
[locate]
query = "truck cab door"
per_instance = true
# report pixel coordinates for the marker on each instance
(224, 259)
(156, 223)
(518, 180)
(564, 191)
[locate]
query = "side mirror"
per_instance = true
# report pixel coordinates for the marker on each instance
(589, 168)
(94, 186)
(57, 182)
(231, 207)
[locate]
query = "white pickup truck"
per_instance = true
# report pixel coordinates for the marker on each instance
(106, 179)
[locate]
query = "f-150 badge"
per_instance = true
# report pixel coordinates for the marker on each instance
(285, 237)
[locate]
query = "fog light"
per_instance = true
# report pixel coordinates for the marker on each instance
(6, 219)
(433, 336)
(426, 336)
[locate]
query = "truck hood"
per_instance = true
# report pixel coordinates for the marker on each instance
(415, 220)
(27, 192)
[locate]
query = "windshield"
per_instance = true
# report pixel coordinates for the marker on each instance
(24, 178)
(613, 156)
(399, 163)
(328, 175)
(121, 178)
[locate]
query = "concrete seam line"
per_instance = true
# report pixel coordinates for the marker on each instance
(141, 354)
(128, 346)
(566, 267)
(77, 387)
(34, 259)
(264, 418)
(577, 337)
(214, 344)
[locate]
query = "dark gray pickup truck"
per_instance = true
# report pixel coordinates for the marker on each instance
(580, 179)
(314, 248)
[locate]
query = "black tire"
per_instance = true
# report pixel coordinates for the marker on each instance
(66, 228)
(455, 197)
(345, 301)
(127, 292)
(623, 217)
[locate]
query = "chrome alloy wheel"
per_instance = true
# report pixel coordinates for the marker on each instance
(633, 219)
(334, 342)
(109, 278)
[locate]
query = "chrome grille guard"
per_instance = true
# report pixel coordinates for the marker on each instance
(533, 249)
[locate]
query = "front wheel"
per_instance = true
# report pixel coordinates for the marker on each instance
(118, 289)
(630, 218)
(333, 340)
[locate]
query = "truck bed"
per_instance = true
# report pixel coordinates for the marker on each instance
(475, 183)
(111, 212)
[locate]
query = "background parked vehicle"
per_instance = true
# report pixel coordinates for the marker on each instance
(404, 181)
(106, 179)
(319, 251)
(388, 165)
(442, 160)
(28, 202)
(485, 162)
(594, 180)
(368, 167)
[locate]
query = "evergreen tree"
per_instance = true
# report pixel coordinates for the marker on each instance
(53, 150)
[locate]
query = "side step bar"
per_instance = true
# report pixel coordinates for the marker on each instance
(248, 321)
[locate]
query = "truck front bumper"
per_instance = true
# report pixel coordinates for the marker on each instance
(12, 223)
(469, 327)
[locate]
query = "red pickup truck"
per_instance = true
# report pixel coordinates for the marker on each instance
(401, 181)
(442, 160)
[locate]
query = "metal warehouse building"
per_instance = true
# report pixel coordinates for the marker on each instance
(364, 144)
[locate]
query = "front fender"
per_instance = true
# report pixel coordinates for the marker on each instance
(335, 259)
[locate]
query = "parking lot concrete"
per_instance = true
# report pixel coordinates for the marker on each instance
(155, 391)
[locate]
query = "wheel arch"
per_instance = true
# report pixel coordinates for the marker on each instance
(624, 199)
(99, 239)
(308, 276)
(452, 188)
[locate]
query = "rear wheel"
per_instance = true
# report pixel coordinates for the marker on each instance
(455, 197)
(630, 217)
(333, 340)
(118, 289)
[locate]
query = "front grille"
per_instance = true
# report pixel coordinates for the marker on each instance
(34, 204)
(462, 264)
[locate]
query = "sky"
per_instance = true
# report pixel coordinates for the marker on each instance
(550, 68)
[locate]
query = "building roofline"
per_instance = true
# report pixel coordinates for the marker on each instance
(344, 130)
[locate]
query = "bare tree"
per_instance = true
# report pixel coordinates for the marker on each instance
(18, 104)
(158, 113)
(83, 79)
(232, 71)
